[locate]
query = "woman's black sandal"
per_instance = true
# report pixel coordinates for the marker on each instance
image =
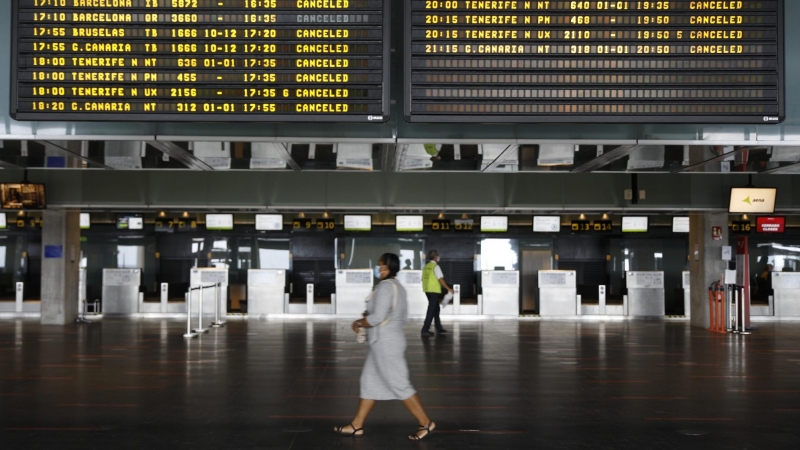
(427, 429)
(340, 431)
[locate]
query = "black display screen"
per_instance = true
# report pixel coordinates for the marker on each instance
(201, 60)
(594, 61)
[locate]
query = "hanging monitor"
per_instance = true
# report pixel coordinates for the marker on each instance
(3, 223)
(494, 224)
(635, 224)
(357, 223)
(130, 222)
(85, 221)
(219, 221)
(409, 223)
(269, 222)
(680, 224)
(770, 225)
(749, 200)
(546, 224)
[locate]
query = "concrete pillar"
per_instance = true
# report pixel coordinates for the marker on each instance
(705, 261)
(61, 246)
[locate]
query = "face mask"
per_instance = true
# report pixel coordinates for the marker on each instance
(377, 271)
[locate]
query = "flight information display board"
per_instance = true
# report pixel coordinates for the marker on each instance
(594, 61)
(201, 60)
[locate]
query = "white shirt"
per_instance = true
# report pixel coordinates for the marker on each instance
(437, 272)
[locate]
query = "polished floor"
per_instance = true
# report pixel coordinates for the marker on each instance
(282, 384)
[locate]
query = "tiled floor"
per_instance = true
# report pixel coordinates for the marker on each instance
(137, 384)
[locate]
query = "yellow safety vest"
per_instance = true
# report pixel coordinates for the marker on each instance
(429, 281)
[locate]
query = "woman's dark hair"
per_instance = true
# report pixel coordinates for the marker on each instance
(392, 262)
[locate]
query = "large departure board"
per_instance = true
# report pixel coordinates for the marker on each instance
(594, 61)
(201, 60)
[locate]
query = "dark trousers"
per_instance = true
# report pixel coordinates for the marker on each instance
(433, 312)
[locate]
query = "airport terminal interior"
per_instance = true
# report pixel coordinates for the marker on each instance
(196, 196)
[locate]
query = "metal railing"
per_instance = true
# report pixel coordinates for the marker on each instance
(217, 323)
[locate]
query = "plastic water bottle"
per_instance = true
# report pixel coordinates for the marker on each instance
(361, 337)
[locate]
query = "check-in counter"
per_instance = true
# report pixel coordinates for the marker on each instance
(558, 293)
(500, 292)
(121, 291)
(206, 276)
(352, 289)
(686, 281)
(266, 292)
(415, 296)
(645, 294)
(786, 298)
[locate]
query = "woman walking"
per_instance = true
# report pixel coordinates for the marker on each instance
(385, 373)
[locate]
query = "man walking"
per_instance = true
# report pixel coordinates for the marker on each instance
(432, 284)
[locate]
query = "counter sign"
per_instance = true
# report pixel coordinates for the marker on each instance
(200, 60)
(594, 61)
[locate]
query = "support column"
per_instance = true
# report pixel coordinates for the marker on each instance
(706, 264)
(61, 247)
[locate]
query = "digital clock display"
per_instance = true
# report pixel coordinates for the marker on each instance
(201, 60)
(594, 61)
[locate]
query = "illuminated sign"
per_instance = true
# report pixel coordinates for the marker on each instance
(269, 222)
(219, 221)
(409, 223)
(770, 224)
(494, 224)
(546, 224)
(581, 225)
(357, 223)
(130, 223)
(594, 61)
(3, 223)
(680, 224)
(302, 224)
(325, 224)
(440, 225)
(752, 200)
(201, 60)
(464, 225)
(634, 224)
(602, 226)
(741, 227)
(85, 221)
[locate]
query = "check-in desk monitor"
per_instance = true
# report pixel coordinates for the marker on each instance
(645, 294)
(558, 293)
(207, 276)
(786, 298)
(266, 290)
(353, 286)
(415, 296)
(500, 292)
(121, 291)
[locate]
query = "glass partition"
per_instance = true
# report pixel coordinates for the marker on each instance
(498, 254)
(363, 252)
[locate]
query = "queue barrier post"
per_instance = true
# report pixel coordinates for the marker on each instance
(189, 334)
(218, 322)
(200, 328)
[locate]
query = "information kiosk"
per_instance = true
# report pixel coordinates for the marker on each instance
(206, 278)
(352, 289)
(500, 292)
(415, 296)
(266, 292)
(786, 286)
(645, 294)
(558, 293)
(121, 291)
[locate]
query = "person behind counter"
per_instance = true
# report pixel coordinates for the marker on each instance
(385, 372)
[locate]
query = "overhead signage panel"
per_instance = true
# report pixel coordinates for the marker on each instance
(770, 224)
(680, 224)
(634, 224)
(494, 224)
(357, 223)
(752, 200)
(269, 222)
(85, 221)
(546, 224)
(594, 61)
(201, 60)
(409, 223)
(219, 221)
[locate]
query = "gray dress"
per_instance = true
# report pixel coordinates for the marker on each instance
(385, 374)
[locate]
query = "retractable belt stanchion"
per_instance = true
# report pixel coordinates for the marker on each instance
(712, 293)
(739, 312)
(721, 310)
(189, 333)
(716, 308)
(218, 322)
(200, 328)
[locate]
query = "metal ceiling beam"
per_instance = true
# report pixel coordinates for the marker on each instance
(723, 157)
(388, 157)
(791, 168)
(501, 158)
(606, 158)
(8, 165)
(184, 157)
(288, 157)
(67, 152)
